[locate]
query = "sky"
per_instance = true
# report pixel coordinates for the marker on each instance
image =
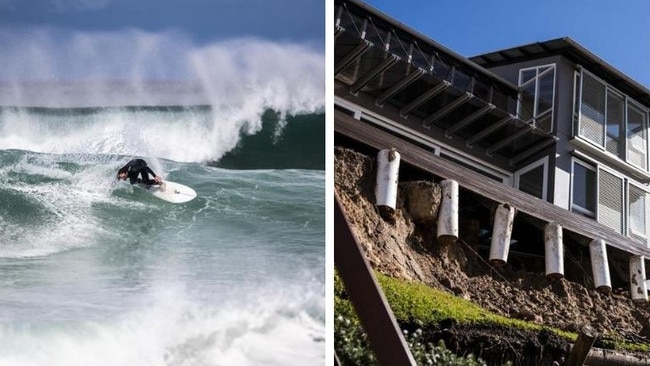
(61, 40)
(224, 48)
(202, 20)
(617, 32)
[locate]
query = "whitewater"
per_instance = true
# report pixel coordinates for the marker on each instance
(99, 272)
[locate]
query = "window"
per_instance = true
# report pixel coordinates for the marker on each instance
(615, 116)
(610, 200)
(532, 178)
(637, 136)
(615, 201)
(637, 205)
(592, 110)
(583, 190)
(536, 90)
(611, 121)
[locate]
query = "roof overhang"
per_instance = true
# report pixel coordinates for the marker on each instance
(573, 51)
(400, 69)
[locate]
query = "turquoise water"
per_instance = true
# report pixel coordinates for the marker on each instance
(102, 273)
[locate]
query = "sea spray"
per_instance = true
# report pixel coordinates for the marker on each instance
(168, 327)
(239, 79)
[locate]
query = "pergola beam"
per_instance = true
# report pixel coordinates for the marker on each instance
(468, 120)
(408, 79)
(370, 75)
(447, 108)
(532, 150)
(424, 97)
(490, 130)
(501, 144)
(352, 56)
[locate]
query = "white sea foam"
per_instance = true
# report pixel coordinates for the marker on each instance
(66, 200)
(172, 329)
(240, 79)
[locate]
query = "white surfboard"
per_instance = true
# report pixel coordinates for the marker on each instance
(173, 192)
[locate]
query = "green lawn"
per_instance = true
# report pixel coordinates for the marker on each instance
(420, 304)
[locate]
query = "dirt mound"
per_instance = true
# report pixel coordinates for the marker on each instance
(406, 248)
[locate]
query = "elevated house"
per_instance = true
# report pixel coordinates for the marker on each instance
(548, 127)
(598, 166)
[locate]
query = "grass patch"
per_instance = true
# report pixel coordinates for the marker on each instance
(420, 304)
(426, 305)
(423, 305)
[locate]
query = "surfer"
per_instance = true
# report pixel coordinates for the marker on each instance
(139, 167)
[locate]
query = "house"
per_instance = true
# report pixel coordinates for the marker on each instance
(598, 166)
(549, 119)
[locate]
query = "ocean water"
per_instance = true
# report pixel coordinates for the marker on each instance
(96, 272)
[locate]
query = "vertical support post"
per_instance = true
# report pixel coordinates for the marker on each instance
(504, 218)
(580, 349)
(386, 183)
(448, 214)
(553, 251)
(600, 265)
(376, 316)
(638, 285)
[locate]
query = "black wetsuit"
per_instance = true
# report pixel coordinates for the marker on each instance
(138, 167)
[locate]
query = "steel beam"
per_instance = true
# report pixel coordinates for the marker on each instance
(408, 79)
(370, 75)
(424, 97)
(468, 120)
(501, 144)
(489, 130)
(352, 56)
(446, 109)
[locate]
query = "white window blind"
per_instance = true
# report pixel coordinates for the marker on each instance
(592, 109)
(610, 200)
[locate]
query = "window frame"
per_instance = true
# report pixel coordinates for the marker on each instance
(622, 133)
(573, 207)
(629, 230)
(623, 195)
(541, 162)
(627, 181)
(578, 81)
(536, 115)
(631, 103)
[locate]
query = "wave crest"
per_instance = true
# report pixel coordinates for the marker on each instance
(240, 79)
